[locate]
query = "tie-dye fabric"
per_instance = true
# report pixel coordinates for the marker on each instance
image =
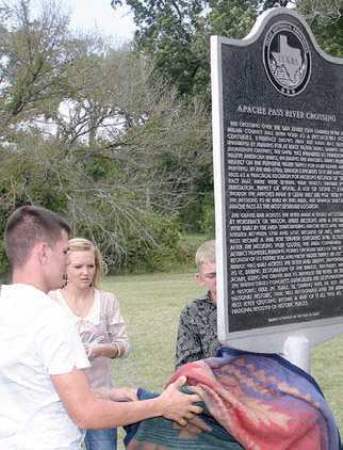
(258, 401)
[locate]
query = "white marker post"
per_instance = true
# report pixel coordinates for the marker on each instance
(297, 351)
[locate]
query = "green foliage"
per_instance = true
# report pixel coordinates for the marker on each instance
(190, 242)
(35, 61)
(176, 35)
(33, 173)
(232, 19)
(161, 252)
(98, 207)
(326, 22)
(198, 214)
(208, 222)
(329, 34)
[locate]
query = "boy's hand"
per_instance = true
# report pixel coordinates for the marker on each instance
(178, 406)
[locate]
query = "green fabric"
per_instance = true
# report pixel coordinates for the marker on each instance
(168, 435)
(162, 434)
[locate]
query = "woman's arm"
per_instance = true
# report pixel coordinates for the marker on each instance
(118, 344)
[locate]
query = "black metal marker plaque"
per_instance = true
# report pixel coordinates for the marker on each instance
(278, 138)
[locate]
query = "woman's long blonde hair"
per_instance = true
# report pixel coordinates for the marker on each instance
(81, 244)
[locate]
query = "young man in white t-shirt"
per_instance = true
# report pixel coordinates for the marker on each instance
(45, 396)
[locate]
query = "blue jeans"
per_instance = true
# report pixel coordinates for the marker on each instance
(105, 439)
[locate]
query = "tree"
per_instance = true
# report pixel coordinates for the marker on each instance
(176, 34)
(326, 21)
(118, 163)
(33, 58)
(117, 193)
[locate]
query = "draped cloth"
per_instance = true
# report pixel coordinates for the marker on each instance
(251, 401)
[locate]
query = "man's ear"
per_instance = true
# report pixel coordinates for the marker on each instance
(41, 250)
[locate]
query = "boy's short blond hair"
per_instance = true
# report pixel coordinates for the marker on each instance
(206, 253)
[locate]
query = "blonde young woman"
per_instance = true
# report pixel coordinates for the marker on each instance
(96, 315)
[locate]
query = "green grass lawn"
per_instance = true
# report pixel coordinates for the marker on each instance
(151, 305)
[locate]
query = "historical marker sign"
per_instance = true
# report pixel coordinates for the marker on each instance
(278, 157)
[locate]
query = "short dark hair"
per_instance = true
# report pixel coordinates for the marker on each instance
(30, 224)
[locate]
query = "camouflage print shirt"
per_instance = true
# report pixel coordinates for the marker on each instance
(197, 332)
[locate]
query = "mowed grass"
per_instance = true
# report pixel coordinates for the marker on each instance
(151, 305)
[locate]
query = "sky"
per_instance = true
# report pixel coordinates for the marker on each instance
(87, 15)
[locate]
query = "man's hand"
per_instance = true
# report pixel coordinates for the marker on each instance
(178, 406)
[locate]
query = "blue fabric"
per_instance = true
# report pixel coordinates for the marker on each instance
(105, 439)
(131, 430)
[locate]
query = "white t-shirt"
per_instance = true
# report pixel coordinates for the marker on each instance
(36, 340)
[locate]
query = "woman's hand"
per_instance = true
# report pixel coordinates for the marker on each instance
(94, 350)
(107, 350)
(123, 394)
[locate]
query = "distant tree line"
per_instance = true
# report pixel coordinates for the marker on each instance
(119, 140)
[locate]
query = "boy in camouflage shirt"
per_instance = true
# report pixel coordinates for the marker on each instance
(197, 331)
